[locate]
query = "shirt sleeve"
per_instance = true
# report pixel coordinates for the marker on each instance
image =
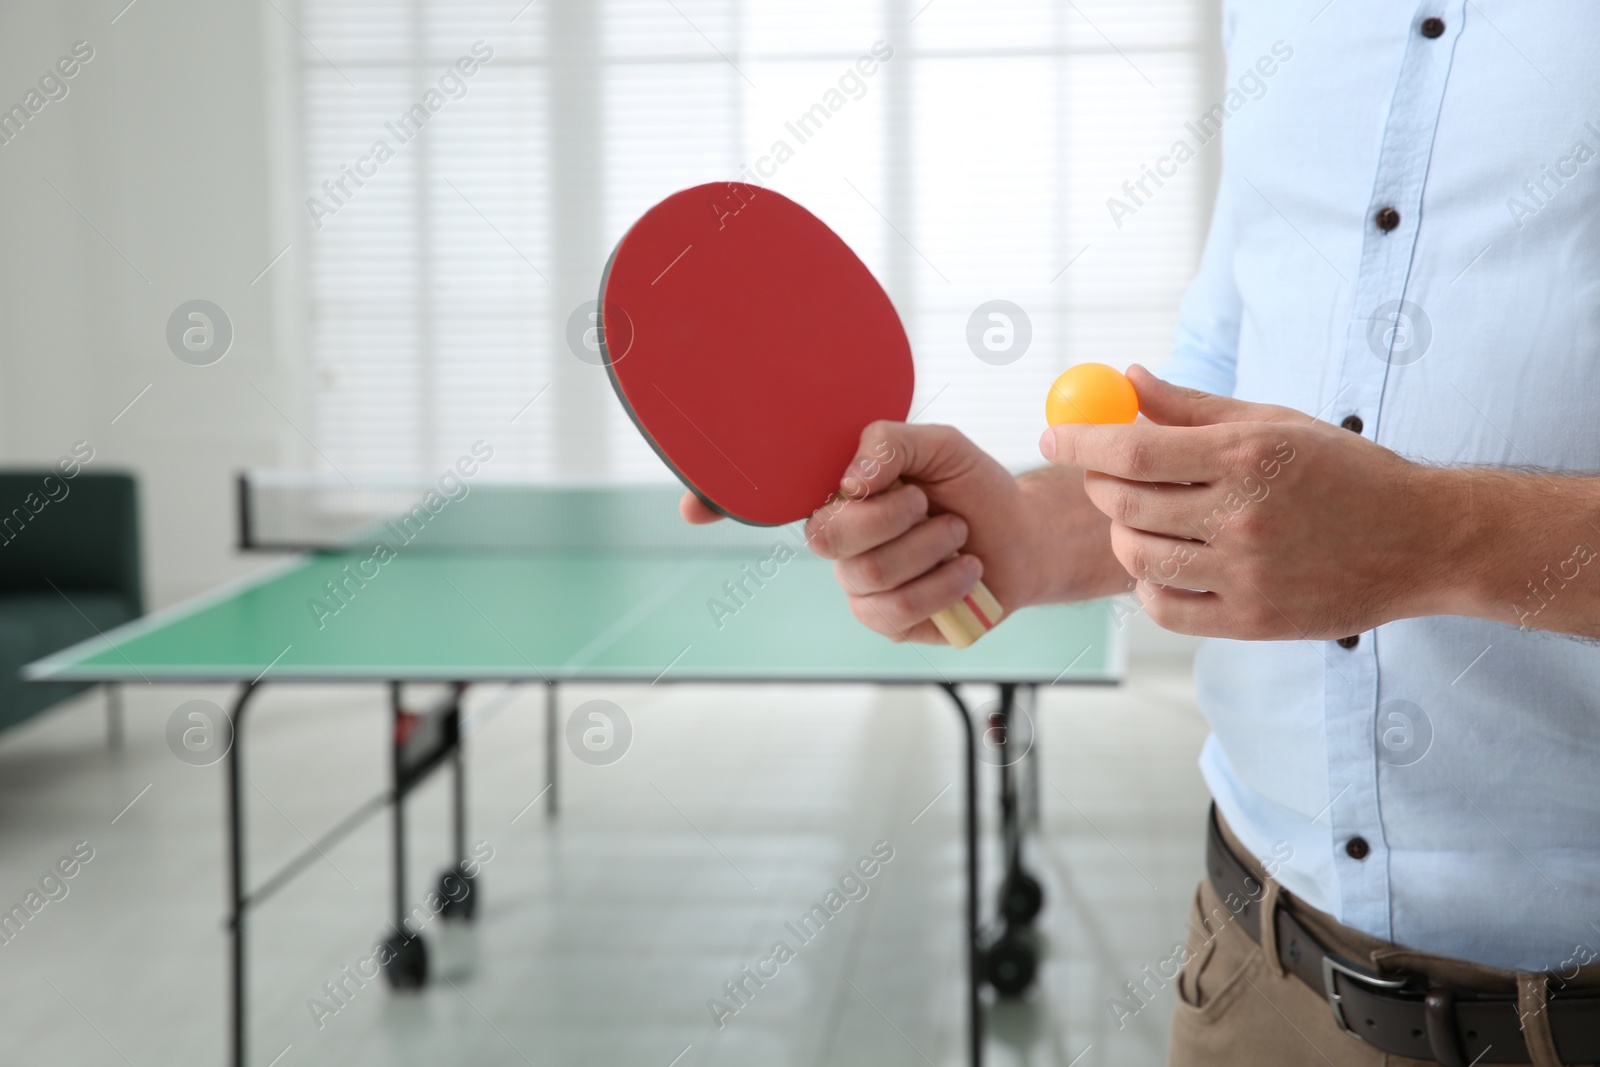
(1205, 347)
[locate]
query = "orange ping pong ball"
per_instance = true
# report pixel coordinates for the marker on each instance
(1091, 393)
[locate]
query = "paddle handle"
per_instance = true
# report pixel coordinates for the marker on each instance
(969, 618)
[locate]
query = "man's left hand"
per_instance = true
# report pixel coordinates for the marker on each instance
(1260, 522)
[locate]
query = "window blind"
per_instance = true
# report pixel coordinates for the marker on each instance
(974, 163)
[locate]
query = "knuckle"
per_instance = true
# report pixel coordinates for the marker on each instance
(949, 442)
(870, 570)
(1135, 557)
(1248, 448)
(1130, 552)
(878, 430)
(879, 440)
(1138, 560)
(911, 504)
(1142, 457)
(1235, 451)
(955, 532)
(1252, 522)
(895, 606)
(1123, 503)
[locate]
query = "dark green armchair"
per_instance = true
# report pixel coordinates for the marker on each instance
(69, 568)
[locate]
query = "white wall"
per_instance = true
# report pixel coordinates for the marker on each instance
(162, 142)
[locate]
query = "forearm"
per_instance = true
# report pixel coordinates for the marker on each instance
(1516, 546)
(1068, 539)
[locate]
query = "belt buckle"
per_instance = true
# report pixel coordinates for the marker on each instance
(1331, 967)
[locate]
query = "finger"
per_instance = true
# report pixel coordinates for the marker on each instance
(1169, 508)
(923, 633)
(1170, 561)
(695, 511)
(1183, 611)
(850, 526)
(1142, 451)
(898, 613)
(892, 450)
(916, 552)
(1173, 405)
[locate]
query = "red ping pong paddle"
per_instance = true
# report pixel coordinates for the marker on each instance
(751, 347)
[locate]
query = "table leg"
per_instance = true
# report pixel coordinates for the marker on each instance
(1010, 962)
(458, 767)
(974, 950)
(552, 734)
(1032, 760)
(1010, 828)
(398, 823)
(114, 729)
(236, 893)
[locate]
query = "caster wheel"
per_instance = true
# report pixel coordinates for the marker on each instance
(460, 891)
(406, 963)
(1010, 965)
(1021, 898)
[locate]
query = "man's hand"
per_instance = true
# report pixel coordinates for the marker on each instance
(892, 545)
(1031, 540)
(1259, 522)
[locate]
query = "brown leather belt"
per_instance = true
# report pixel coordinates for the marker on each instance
(1399, 1013)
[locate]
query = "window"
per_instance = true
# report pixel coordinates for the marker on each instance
(974, 162)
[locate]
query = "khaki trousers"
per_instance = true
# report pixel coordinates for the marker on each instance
(1236, 1007)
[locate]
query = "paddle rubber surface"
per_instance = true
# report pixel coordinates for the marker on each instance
(751, 347)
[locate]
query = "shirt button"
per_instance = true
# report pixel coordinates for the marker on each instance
(1432, 27)
(1357, 848)
(1350, 642)
(1387, 218)
(1353, 423)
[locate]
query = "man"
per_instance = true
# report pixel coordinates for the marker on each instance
(1361, 479)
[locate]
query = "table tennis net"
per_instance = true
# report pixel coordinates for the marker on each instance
(293, 511)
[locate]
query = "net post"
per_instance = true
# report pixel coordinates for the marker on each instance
(242, 489)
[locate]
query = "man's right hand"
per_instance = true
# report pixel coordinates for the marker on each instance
(1031, 540)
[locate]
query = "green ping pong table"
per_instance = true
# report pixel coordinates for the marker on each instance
(548, 585)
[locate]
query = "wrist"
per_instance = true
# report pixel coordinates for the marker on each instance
(1454, 549)
(1498, 531)
(1065, 540)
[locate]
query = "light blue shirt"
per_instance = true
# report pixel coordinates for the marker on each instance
(1466, 753)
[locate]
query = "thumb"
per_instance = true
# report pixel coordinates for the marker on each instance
(890, 451)
(697, 512)
(1172, 405)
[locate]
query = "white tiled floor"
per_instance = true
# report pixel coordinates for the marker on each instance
(602, 934)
